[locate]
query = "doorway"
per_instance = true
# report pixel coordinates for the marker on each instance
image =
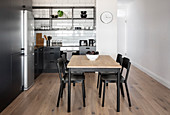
(121, 31)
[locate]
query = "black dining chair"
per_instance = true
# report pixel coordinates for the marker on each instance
(63, 56)
(119, 60)
(113, 79)
(64, 79)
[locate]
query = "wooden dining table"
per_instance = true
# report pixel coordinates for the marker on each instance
(104, 63)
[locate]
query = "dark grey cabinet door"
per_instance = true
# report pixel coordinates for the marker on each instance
(51, 54)
(10, 79)
(38, 61)
(5, 81)
(16, 75)
(10, 58)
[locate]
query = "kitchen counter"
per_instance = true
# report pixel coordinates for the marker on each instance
(45, 56)
(63, 46)
(67, 48)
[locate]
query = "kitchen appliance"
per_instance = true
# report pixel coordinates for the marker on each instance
(92, 42)
(83, 42)
(27, 48)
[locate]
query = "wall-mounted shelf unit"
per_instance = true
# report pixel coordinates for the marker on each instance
(69, 21)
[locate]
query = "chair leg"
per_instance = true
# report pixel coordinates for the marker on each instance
(103, 93)
(122, 91)
(83, 92)
(64, 85)
(100, 88)
(98, 80)
(59, 95)
(127, 91)
(62, 90)
(73, 84)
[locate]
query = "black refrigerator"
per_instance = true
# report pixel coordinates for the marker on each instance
(11, 81)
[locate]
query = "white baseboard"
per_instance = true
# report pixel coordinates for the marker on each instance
(153, 75)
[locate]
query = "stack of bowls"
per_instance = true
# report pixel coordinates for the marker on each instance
(83, 14)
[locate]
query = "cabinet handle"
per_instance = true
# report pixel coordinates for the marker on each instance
(87, 48)
(51, 48)
(22, 54)
(51, 61)
(51, 52)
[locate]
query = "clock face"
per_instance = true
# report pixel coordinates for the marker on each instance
(106, 17)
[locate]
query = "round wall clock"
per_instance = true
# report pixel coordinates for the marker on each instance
(106, 17)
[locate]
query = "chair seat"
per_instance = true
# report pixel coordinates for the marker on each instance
(108, 73)
(74, 78)
(112, 78)
(74, 73)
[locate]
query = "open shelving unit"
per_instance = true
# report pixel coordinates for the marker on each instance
(69, 21)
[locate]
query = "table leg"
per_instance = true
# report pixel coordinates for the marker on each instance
(69, 91)
(118, 92)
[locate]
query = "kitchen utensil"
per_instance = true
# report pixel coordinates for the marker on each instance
(48, 42)
(49, 37)
(92, 42)
(83, 42)
(45, 37)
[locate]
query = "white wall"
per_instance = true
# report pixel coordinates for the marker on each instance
(148, 40)
(106, 34)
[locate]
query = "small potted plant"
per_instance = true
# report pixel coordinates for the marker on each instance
(60, 13)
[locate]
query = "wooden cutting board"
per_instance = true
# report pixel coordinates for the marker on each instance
(39, 40)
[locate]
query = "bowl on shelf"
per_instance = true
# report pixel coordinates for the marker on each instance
(92, 56)
(56, 16)
(52, 16)
(83, 12)
(83, 15)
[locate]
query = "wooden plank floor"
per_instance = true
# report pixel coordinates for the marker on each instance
(147, 95)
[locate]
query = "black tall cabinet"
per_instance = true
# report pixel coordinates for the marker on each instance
(10, 50)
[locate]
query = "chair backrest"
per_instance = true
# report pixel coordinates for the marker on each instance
(63, 56)
(61, 67)
(119, 59)
(126, 65)
(76, 53)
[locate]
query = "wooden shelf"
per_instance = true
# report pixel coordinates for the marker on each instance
(83, 18)
(63, 30)
(64, 7)
(63, 18)
(72, 19)
(52, 18)
(41, 18)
